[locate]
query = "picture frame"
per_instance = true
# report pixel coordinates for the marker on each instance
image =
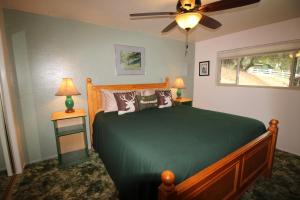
(204, 68)
(130, 60)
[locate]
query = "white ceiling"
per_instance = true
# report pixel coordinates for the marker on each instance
(115, 13)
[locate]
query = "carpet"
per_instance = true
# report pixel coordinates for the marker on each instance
(4, 181)
(285, 181)
(90, 180)
(46, 180)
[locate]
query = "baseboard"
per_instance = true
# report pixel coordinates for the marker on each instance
(40, 160)
(284, 150)
(46, 158)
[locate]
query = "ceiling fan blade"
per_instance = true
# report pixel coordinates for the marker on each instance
(226, 4)
(169, 27)
(151, 14)
(209, 22)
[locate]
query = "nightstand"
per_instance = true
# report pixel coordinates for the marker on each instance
(59, 118)
(183, 101)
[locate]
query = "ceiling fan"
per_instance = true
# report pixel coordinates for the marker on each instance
(190, 13)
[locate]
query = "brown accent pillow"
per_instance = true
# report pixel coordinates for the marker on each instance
(147, 102)
(127, 102)
(164, 98)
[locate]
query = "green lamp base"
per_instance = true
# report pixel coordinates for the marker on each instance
(69, 104)
(178, 93)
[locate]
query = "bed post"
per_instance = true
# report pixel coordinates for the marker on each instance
(273, 129)
(166, 190)
(89, 87)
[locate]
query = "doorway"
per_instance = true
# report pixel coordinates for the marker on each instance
(6, 164)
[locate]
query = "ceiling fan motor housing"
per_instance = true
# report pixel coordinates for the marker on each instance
(187, 4)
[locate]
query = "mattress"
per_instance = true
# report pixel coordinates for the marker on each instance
(137, 147)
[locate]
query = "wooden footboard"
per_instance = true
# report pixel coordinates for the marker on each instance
(229, 177)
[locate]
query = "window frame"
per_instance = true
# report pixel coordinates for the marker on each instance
(293, 66)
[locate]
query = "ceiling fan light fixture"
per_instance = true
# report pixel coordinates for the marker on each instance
(188, 20)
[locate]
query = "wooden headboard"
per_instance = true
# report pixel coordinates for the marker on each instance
(94, 96)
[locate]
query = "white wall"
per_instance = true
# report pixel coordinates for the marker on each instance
(259, 103)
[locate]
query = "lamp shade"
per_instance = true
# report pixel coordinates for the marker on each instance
(188, 20)
(67, 88)
(179, 83)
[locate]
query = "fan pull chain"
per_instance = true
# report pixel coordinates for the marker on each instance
(186, 42)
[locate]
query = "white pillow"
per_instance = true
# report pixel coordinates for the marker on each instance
(148, 92)
(109, 103)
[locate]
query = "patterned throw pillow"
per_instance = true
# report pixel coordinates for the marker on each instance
(164, 98)
(127, 102)
(109, 103)
(146, 102)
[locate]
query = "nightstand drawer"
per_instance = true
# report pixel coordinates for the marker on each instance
(63, 131)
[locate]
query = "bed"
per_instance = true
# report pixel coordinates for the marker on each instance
(213, 155)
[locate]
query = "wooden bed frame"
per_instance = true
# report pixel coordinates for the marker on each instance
(228, 178)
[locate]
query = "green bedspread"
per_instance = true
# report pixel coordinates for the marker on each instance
(137, 147)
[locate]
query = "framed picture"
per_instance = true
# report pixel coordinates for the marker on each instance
(130, 60)
(204, 68)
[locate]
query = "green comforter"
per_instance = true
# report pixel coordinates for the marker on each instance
(137, 147)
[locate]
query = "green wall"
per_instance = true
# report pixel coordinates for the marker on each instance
(2, 163)
(46, 49)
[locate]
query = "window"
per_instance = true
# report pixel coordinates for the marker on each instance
(296, 77)
(277, 69)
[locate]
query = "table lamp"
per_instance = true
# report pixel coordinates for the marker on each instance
(179, 84)
(67, 89)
